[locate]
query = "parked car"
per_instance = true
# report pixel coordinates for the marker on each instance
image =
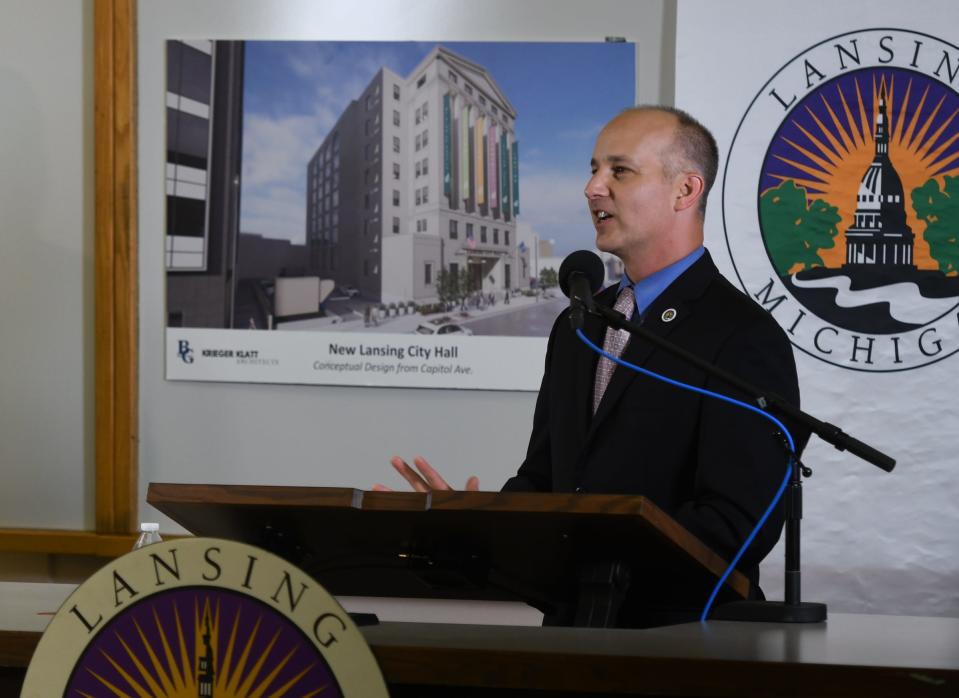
(442, 325)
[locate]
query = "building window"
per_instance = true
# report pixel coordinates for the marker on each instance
(396, 118)
(369, 102)
(482, 233)
(366, 202)
(424, 225)
(454, 233)
(417, 142)
(416, 117)
(469, 89)
(421, 81)
(418, 168)
(469, 231)
(425, 138)
(506, 238)
(453, 77)
(428, 273)
(426, 167)
(426, 194)
(454, 269)
(426, 109)
(483, 100)
(418, 198)
(396, 144)
(366, 267)
(396, 197)
(396, 170)
(495, 236)
(396, 224)
(396, 91)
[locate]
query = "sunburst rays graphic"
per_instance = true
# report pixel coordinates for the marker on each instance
(152, 660)
(837, 144)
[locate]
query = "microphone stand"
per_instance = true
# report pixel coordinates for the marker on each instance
(792, 609)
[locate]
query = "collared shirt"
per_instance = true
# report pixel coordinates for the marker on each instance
(647, 290)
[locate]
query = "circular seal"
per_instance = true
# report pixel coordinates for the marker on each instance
(202, 617)
(839, 200)
(669, 315)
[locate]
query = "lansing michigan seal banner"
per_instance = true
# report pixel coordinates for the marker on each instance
(846, 167)
(202, 617)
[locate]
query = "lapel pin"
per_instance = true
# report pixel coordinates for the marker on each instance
(669, 315)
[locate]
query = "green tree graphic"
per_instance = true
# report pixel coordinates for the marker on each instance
(795, 230)
(940, 210)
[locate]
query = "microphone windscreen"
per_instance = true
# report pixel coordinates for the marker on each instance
(586, 263)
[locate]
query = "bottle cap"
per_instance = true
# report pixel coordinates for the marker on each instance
(146, 527)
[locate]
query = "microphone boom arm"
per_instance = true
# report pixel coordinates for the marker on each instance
(829, 433)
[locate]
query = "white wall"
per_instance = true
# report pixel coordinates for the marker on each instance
(334, 436)
(46, 264)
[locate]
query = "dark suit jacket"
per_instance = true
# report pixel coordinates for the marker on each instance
(712, 466)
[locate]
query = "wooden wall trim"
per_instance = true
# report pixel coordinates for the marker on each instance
(116, 294)
(55, 542)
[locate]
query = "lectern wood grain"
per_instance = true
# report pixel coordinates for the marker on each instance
(480, 545)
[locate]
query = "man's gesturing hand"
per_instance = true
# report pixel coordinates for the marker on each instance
(426, 479)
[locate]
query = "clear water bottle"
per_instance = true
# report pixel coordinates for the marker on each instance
(149, 534)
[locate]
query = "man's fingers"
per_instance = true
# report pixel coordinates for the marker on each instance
(408, 474)
(432, 477)
(426, 479)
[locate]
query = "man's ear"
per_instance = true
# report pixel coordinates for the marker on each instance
(690, 188)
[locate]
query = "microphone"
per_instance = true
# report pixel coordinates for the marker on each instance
(580, 276)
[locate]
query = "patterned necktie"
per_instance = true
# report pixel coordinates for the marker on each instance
(614, 343)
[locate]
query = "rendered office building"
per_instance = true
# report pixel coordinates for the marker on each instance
(419, 175)
(204, 130)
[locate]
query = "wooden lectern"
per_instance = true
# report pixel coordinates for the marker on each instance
(575, 557)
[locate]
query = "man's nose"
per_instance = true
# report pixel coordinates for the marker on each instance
(596, 187)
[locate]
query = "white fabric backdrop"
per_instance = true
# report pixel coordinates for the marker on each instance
(872, 542)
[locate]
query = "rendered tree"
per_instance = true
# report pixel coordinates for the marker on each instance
(548, 277)
(939, 208)
(448, 286)
(795, 231)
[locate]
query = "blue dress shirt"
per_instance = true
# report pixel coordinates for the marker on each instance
(647, 290)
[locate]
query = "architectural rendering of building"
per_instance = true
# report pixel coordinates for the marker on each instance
(418, 176)
(204, 133)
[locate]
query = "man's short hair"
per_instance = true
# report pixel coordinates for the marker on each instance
(696, 148)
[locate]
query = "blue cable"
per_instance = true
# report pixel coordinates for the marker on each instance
(732, 401)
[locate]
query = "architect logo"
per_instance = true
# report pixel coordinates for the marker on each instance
(846, 167)
(202, 617)
(184, 351)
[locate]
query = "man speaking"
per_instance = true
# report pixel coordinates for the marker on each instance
(599, 428)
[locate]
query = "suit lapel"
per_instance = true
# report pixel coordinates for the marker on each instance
(670, 310)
